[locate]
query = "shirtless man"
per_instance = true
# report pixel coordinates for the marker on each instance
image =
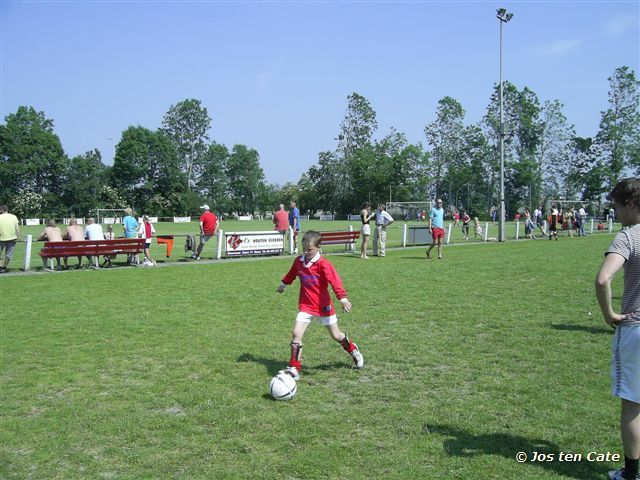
(51, 233)
(74, 233)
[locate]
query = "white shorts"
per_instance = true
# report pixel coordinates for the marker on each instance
(366, 229)
(625, 363)
(307, 318)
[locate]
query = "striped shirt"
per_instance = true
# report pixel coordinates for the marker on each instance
(627, 245)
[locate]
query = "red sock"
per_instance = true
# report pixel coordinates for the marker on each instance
(296, 350)
(347, 344)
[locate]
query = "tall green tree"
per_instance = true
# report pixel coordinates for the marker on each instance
(445, 142)
(619, 135)
(246, 179)
(554, 155)
(31, 158)
(86, 175)
(214, 182)
(186, 124)
(146, 166)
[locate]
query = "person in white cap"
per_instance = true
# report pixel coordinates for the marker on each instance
(208, 227)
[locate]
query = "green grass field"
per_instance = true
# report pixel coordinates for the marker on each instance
(136, 373)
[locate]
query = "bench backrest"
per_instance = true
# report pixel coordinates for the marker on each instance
(333, 238)
(92, 247)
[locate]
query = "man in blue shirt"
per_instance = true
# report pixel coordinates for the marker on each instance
(130, 226)
(294, 221)
(436, 227)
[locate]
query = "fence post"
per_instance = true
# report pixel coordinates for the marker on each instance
(27, 253)
(448, 234)
(591, 226)
(404, 235)
(486, 231)
(291, 245)
(352, 246)
(220, 240)
(518, 230)
(610, 224)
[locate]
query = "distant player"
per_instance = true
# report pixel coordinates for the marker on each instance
(624, 252)
(314, 303)
(294, 222)
(436, 228)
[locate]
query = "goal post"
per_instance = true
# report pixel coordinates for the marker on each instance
(408, 210)
(102, 213)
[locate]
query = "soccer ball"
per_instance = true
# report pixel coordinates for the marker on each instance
(283, 387)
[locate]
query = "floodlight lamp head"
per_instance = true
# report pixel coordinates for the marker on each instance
(503, 15)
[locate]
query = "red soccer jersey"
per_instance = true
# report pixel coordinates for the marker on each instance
(209, 222)
(315, 278)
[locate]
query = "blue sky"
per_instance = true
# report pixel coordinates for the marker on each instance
(275, 76)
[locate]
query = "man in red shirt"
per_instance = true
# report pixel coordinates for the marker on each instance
(208, 227)
(281, 220)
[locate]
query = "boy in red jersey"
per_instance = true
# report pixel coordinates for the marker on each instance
(316, 274)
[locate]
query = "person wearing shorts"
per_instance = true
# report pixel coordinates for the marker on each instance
(624, 252)
(365, 230)
(9, 235)
(316, 273)
(208, 227)
(436, 228)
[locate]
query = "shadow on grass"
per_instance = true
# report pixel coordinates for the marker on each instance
(273, 366)
(582, 328)
(465, 444)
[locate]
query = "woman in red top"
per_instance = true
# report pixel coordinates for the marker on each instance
(314, 303)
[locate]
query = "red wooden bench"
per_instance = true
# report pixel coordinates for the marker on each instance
(337, 238)
(94, 248)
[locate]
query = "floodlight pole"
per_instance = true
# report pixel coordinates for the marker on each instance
(503, 17)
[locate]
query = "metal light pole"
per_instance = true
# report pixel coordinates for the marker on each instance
(503, 16)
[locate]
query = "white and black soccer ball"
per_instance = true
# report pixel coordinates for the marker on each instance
(283, 387)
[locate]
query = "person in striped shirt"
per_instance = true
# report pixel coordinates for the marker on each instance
(624, 252)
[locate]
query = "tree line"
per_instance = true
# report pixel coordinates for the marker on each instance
(174, 169)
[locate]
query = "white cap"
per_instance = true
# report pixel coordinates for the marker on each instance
(205, 207)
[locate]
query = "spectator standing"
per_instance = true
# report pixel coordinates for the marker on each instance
(383, 220)
(477, 229)
(130, 225)
(436, 228)
(294, 223)
(582, 216)
(281, 220)
(466, 220)
(146, 231)
(529, 226)
(314, 302)
(208, 227)
(537, 216)
(9, 235)
(624, 252)
(553, 223)
(74, 233)
(51, 233)
(456, 217)
(365, 230)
